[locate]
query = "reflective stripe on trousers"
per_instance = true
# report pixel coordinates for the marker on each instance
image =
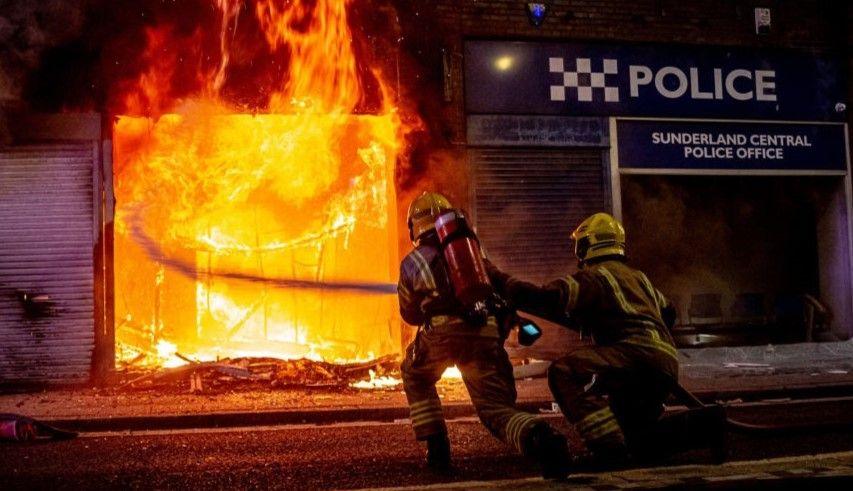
(598, 425)
(425, 416)
(517, 429)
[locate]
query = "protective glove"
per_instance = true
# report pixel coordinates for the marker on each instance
(497, 277)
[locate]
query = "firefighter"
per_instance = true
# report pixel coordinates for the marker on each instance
(632, 360)
(446, 337)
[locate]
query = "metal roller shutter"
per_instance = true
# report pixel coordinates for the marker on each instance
(47, 227)
(528, 201)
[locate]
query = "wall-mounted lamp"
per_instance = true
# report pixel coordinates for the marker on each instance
(536, 12)
(504, 63)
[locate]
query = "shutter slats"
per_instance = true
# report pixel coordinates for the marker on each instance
(529, 200)
(47, 249)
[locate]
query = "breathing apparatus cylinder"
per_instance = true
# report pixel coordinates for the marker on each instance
(464, 258)
(470, 279)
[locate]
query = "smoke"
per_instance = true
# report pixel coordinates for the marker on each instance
(685, 251)
(430, 169)
(724, 235)
(27, 29)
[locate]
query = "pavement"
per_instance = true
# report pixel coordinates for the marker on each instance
(715, 374)
(771, 367)
(384, 454)
(105, 404)
(823, 470)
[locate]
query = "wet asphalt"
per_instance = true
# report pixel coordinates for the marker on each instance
(354, 455)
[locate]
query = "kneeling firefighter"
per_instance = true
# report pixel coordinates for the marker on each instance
(632, 361)
(454, 330)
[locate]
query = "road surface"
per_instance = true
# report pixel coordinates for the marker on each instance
(353, 455)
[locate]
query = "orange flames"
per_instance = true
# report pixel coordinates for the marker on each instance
(302, 190)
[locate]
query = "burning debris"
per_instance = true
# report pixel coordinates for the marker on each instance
(253, 373)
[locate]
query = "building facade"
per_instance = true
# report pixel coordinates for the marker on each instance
(720, 140)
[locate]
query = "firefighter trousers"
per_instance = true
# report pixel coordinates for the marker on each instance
(487, 374)
(635, 379)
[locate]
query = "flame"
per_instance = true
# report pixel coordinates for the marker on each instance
(374, 382)
(389, 382)
(323, 66)
(301, 188)
(167, 354)
(451, 373)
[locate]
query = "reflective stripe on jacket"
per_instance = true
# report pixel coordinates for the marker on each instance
(621, 302)
(608, 300)
(426, 297)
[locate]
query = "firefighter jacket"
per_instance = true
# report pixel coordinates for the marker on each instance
(607, 300)
(426, 296)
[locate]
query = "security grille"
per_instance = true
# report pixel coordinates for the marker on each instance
(46, 262)
(529, 200)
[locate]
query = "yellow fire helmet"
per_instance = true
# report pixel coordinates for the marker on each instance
(423, 211)
(597, 236)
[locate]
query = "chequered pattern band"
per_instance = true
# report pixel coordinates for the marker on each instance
(583, 80)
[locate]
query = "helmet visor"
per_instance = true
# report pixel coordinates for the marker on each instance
(582, 247)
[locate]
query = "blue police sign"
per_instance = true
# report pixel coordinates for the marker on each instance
(644, 144)
(650, 80)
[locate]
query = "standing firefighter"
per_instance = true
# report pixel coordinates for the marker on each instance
(633, 359)
(448, 336)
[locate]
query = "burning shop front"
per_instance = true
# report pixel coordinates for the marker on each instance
(729, 168)
(242, 192)
(218, 206)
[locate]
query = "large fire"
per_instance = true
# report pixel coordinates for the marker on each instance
(302, 189)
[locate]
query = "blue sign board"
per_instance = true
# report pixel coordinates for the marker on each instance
(651, 80)
(644, 144)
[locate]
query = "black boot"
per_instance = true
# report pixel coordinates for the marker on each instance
(548, 447)
(701, 428)
(708, 427)
(438, 452)
(604, 456)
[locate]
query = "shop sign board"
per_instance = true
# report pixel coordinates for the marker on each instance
(656, 144)
(594, 79)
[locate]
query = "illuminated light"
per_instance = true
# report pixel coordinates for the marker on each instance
(504, 63)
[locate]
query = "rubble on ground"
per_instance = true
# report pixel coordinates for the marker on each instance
(253, 373)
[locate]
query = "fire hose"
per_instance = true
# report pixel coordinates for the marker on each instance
(693, 402)
(156, 253)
